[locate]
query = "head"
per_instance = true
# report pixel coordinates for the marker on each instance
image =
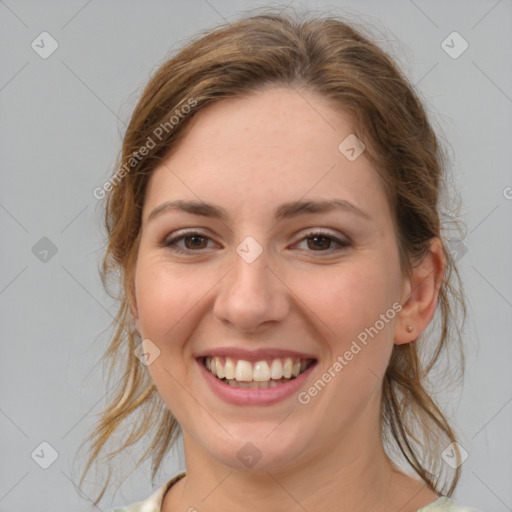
(249, 117)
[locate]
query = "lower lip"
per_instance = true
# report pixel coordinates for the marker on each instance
(245, 396)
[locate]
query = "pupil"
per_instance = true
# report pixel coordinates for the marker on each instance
(321, 237)
(195, 237)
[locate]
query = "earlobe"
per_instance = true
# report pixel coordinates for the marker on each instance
(420, 295)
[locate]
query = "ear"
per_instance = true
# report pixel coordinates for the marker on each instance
(420, 293)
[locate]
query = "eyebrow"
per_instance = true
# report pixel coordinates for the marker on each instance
(284, 211)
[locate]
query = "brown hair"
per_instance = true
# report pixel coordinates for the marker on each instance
(328, 56)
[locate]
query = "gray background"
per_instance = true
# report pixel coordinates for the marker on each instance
(60, 131)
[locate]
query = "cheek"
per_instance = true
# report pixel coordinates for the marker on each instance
(355, 307)
(165, 296)
(350, 297)
(167, 301)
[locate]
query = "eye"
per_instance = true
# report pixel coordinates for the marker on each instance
(321, 242)
(193, 240)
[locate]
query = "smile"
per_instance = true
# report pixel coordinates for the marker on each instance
(262, 374)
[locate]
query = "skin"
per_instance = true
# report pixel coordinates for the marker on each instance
(249, 155)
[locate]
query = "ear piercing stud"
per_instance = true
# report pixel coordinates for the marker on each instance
(410, 328)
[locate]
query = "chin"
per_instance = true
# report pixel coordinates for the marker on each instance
(257, 449)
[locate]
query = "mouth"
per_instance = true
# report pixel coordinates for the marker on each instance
(263, 374)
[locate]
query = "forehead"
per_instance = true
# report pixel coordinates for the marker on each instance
(274, 119)
(275, 145)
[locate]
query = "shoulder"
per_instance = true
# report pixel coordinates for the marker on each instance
(154, 502)
(444, 504)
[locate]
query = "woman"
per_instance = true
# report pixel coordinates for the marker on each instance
(274, 222)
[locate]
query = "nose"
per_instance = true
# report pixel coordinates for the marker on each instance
(251, 295)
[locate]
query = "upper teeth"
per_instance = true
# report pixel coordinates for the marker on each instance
(244, 371)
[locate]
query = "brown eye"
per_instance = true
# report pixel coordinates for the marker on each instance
(193, 242)
(319, 242)
(322, 242)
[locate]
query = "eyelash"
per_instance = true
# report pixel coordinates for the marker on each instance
(171, 244)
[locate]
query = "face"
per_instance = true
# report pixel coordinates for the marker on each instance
(320, 287)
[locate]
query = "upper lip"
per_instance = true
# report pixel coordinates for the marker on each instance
(259, 354)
